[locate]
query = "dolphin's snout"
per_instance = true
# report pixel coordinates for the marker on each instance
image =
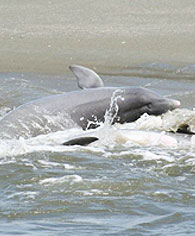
(175, 103)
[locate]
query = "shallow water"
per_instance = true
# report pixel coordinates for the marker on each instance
(111, 187)
(49, 36)
(120, 185)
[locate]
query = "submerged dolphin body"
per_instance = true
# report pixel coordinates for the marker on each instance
(83, 108)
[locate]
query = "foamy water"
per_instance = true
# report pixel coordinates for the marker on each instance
(147, 131)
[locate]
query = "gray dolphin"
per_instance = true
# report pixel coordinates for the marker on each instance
(83, 108)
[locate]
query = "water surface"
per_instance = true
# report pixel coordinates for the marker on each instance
(109, 187)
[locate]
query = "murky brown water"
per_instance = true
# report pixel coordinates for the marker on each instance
(48, 36)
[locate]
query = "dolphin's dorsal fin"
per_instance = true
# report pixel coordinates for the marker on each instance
(86, 78)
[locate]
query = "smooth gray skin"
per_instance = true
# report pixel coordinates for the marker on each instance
(77, 108)
(82, 141)
(81, 73)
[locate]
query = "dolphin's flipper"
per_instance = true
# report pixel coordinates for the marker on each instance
(83, 141)
(86, 78)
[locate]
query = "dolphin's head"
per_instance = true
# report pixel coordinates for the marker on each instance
(155, 104)
(161, 105)
(138, 100)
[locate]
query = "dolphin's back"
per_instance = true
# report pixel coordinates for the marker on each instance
(53, 113)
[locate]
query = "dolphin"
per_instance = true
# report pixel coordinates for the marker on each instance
(85, 108)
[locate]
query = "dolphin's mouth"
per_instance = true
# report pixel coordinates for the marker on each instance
(175, 103)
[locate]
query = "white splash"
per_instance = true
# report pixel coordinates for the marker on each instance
(49, 143)
(144, 138)
(24, 195)
(149, 156)
(148, 131)
(112, 112)
(170, 121)
(49, 164)
(58, 180)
